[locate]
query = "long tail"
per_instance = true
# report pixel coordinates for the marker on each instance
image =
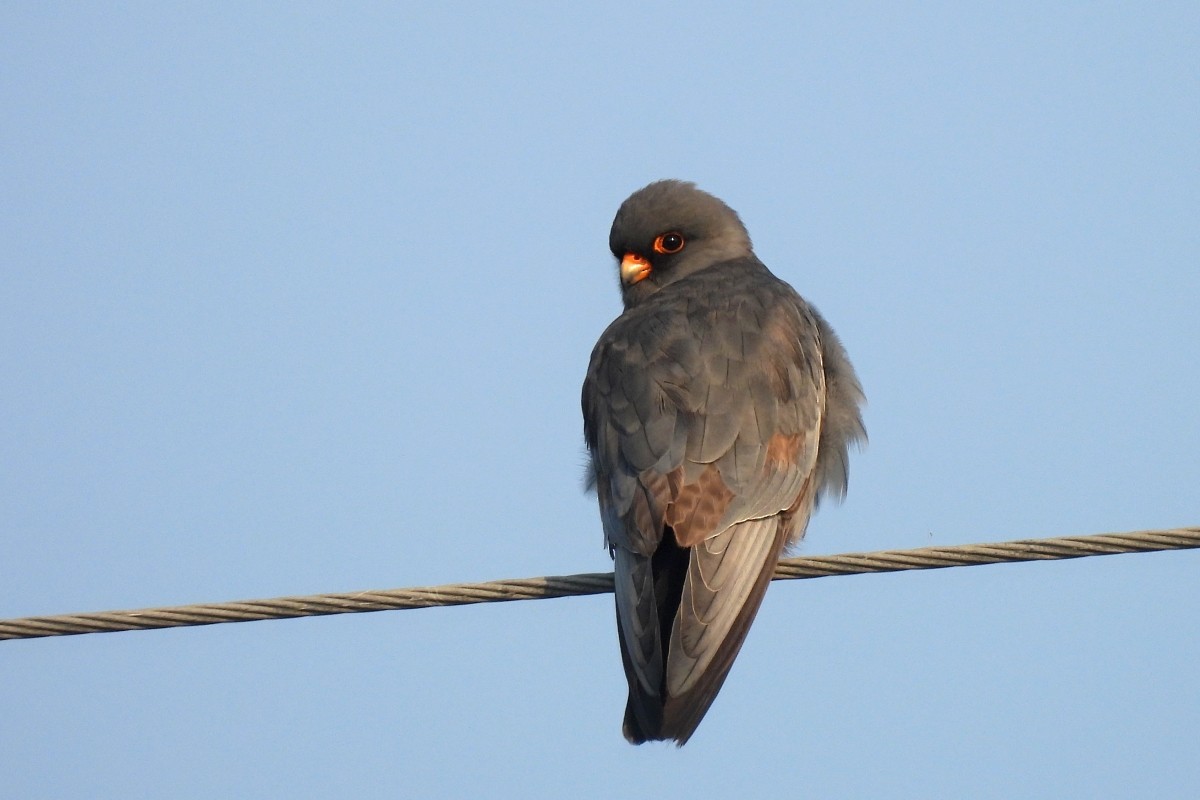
(708, 596)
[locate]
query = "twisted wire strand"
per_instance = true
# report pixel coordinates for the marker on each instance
(589, 583)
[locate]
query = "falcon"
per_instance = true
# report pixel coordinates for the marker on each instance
(718, 409)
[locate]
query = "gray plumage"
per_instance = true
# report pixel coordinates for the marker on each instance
(718, 409)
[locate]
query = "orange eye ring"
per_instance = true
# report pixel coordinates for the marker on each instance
(669, 243)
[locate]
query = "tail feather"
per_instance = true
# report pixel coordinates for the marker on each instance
(675, 716)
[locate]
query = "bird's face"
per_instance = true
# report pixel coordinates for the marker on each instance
(667, 231)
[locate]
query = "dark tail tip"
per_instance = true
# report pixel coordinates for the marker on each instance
(635, 728)
(638, 730)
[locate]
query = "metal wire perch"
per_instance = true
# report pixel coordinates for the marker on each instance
(589, 583)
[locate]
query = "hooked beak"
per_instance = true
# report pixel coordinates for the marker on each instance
(634, 268)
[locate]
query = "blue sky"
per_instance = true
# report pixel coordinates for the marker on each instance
(299, 297)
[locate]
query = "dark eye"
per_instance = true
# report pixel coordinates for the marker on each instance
(669, 243)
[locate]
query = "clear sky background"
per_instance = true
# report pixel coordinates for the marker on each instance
(299, 297)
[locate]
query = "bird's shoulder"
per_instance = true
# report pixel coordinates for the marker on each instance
(737, 309)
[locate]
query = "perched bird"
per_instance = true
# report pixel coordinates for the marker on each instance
(718, 410)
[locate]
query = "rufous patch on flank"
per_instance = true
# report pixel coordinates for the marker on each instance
(783, 449)
(698, 507)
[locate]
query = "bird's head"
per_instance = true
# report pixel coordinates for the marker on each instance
(669, 230)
